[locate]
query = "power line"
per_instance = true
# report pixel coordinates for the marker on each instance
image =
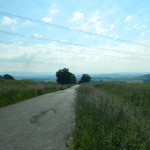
(60, 50)
(70, 29)
(69, 43)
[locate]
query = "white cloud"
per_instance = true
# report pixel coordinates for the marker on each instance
(129, 18)
(99, 27)
(101, 30)
(53, 9)
(27, 23)
(54, 5)
(94, 23)
(134, 27)
(77, 16)
(112, 26)
(137, 27)
(8, 21)
(37, 35)
(142, 33)
(52, 56)
(95, 17)
(47, 19)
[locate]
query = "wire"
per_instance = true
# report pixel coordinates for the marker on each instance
(60, 50)
(70, 29)
(69, 43)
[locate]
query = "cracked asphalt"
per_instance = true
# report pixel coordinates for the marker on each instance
(41, 123)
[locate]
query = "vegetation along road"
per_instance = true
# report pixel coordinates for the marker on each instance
(41, 123)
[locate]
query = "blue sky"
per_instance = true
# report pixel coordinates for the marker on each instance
(128, 20)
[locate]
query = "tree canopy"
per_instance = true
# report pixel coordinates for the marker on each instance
(85, 78)
(7, 77)
(65, 77)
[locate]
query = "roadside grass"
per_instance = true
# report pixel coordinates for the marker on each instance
(13, 91)
(112, 116)
(136, 95)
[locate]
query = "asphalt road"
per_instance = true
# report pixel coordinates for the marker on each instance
(41, 123)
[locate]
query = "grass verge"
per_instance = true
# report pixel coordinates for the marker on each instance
(112, 116)
(13, 91)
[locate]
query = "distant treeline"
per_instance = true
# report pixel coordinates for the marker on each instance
(146, 78)
(7, 77)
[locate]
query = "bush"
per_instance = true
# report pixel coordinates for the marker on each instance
(85, 78)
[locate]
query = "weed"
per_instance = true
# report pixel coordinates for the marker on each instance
(13, 91)
(112, 116)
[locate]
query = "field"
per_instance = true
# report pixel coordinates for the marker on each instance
(112, 116)
(13, 91)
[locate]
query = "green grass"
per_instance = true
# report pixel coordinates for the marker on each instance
(112, 116)
(13, 91)
(136, 95)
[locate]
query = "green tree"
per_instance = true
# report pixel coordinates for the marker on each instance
(85, 78)
(73, 79)
(8, 77)
(65, 77)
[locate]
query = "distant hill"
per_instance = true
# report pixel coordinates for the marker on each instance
(146, 78)
(96, 77)
(36, 76)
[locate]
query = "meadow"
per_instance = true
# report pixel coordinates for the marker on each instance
(13, 91)
(112, 116)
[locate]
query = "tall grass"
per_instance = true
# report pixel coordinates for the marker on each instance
(13, 91)
(108, 117)
(138, 95)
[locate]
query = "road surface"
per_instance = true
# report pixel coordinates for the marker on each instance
(41, 123)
